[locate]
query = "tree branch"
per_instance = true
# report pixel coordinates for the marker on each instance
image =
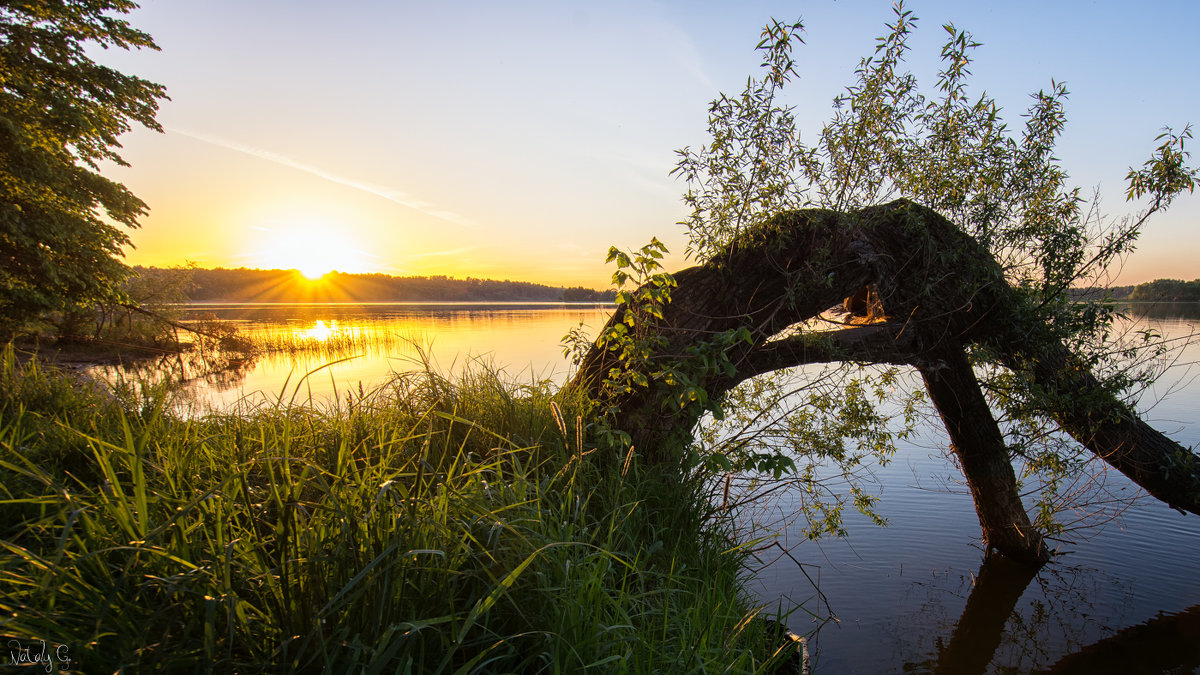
(878, 343)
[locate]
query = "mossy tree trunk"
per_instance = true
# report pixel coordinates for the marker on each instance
(943, 294)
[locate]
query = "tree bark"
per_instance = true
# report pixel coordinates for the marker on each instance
(979, 446)
(942, 292)
(1107, 427)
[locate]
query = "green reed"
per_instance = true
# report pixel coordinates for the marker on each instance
(432, 525)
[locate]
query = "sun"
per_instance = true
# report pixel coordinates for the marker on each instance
(313, 272)
(312, 250)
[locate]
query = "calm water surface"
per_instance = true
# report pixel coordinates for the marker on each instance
(911, 597)
(523, 339)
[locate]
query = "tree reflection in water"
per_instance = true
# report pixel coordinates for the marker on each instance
(1168, 643)
(994, 635)
(998, 586)
(1163, 310)
(180, 374)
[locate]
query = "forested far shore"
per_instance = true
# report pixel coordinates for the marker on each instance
(192, 284)
(1098, 294)
(1166, 290)
(1159, 290)
(243, 284)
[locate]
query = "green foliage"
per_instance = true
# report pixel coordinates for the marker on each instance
(631, 340)
(429, 526)
(1166, 173)
(60, 115)
(746, 172)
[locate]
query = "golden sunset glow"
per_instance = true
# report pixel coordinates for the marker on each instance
(312, 250)
(313, 272)
(381, 179)
(320, 331)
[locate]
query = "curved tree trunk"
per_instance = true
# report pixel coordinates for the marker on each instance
(978, 444)
(943, 293)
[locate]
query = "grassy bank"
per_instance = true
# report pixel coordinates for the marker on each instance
(431, 526)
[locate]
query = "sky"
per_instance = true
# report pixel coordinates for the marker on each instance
(519, 140)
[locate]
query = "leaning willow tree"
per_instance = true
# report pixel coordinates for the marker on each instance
(956, 249)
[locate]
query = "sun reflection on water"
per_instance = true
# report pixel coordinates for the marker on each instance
(320, 331)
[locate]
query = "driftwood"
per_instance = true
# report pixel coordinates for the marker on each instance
(942, 293)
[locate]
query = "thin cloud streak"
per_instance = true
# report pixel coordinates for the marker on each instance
(390, 194)
(683, 50)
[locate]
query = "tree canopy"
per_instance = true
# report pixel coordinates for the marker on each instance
(62, 224)
(970, 251)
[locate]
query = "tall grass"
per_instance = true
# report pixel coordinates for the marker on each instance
(430, 526)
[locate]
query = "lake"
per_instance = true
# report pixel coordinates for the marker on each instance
(911, 597)
(364, 344)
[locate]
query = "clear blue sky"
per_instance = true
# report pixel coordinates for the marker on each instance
(520, 139)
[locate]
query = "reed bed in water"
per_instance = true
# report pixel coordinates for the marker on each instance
(330, 340)
(429, 526)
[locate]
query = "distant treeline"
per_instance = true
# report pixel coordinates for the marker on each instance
(255, 285)
(1167, 290)
(1159, 290)
(1110, 293)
